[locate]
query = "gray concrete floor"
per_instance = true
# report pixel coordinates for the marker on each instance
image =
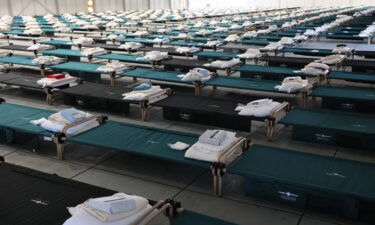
(156, 179)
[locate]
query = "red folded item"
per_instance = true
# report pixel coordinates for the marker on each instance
(57, 76)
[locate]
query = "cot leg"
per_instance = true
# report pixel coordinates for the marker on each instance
(60, 151)
(270, 129)
(113, 79)
(228, 70)
(304, 99)
(197, 90)
(215, 180)
(145, 113)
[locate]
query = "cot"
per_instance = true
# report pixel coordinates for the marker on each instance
(332, 127)
(30, 82)
(47, 197)
(211, 55)
(309, 181)
(270, 72)
(217, 112)
(70, 55)
(101, 96)
(25, 61)
(59, 44)
(352, 99)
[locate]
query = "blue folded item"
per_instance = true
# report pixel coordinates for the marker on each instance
(143, 87)
(72, 115)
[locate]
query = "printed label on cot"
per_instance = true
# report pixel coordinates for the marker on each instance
(288, 196)
(347, 106)
(322, 137)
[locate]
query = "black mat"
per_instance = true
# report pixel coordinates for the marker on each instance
(15, 47)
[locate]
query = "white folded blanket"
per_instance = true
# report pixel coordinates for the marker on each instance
(153, 92)
(286, 41)
(342, 49)
(314, 68)
(113, 67)
(187, 49)
(210, 153)
(4, 53)
(114, 37)
(47, 60)
(250, 34)
(224, 64)
(131, 45)
(160, 40)
(184, 35)
(213, 43)
(273, 47)
(80, 216)
(292, 84)
(83, 41)
(251, 53)
(40, 47)
(233, 38)
(258, 108)
(331, 59)
(196, 74)
(4, 67)
(154, 56)
(56, 123)
(53, 82)
(93, 51)
(140, 33)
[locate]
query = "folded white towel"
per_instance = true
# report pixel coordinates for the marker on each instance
(179, 146)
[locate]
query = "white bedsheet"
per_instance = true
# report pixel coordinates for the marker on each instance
(258, 108)
(210, 153)
(153, 92)
(82, 217)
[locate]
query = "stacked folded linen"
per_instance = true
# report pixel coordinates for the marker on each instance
(233, 38)
(2, 35)
(93, 51)
(140, 33)
(112, 24)
(314, 68)
(343, 50)
(143, 87)
(250, 34)
(184, 35)
(310, 32)
(83, 41)
(33, 31)
(292, 84)
(204, 32)
(40, 47)
(118, 209)
(223, 63)
(114, 37)
(58, 121)
(131, 45)
(286, 41)
(164, 30)
(251, 53)
(4, 53)
(196, 74)
(199, 25)
(235, 27)
(182, 28)
(154, 56)
(161, 40)
(56, 82)
(187, 49)
(147, 94)
(211, 152)
(213, 43)
(299, 37)
(63, 29)
(113, 67)
(258, 108)
(247, 24)
(47, 60)
(273, 47)
(369, 31)
(220, 29)
(331, 59)
(4, 67)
